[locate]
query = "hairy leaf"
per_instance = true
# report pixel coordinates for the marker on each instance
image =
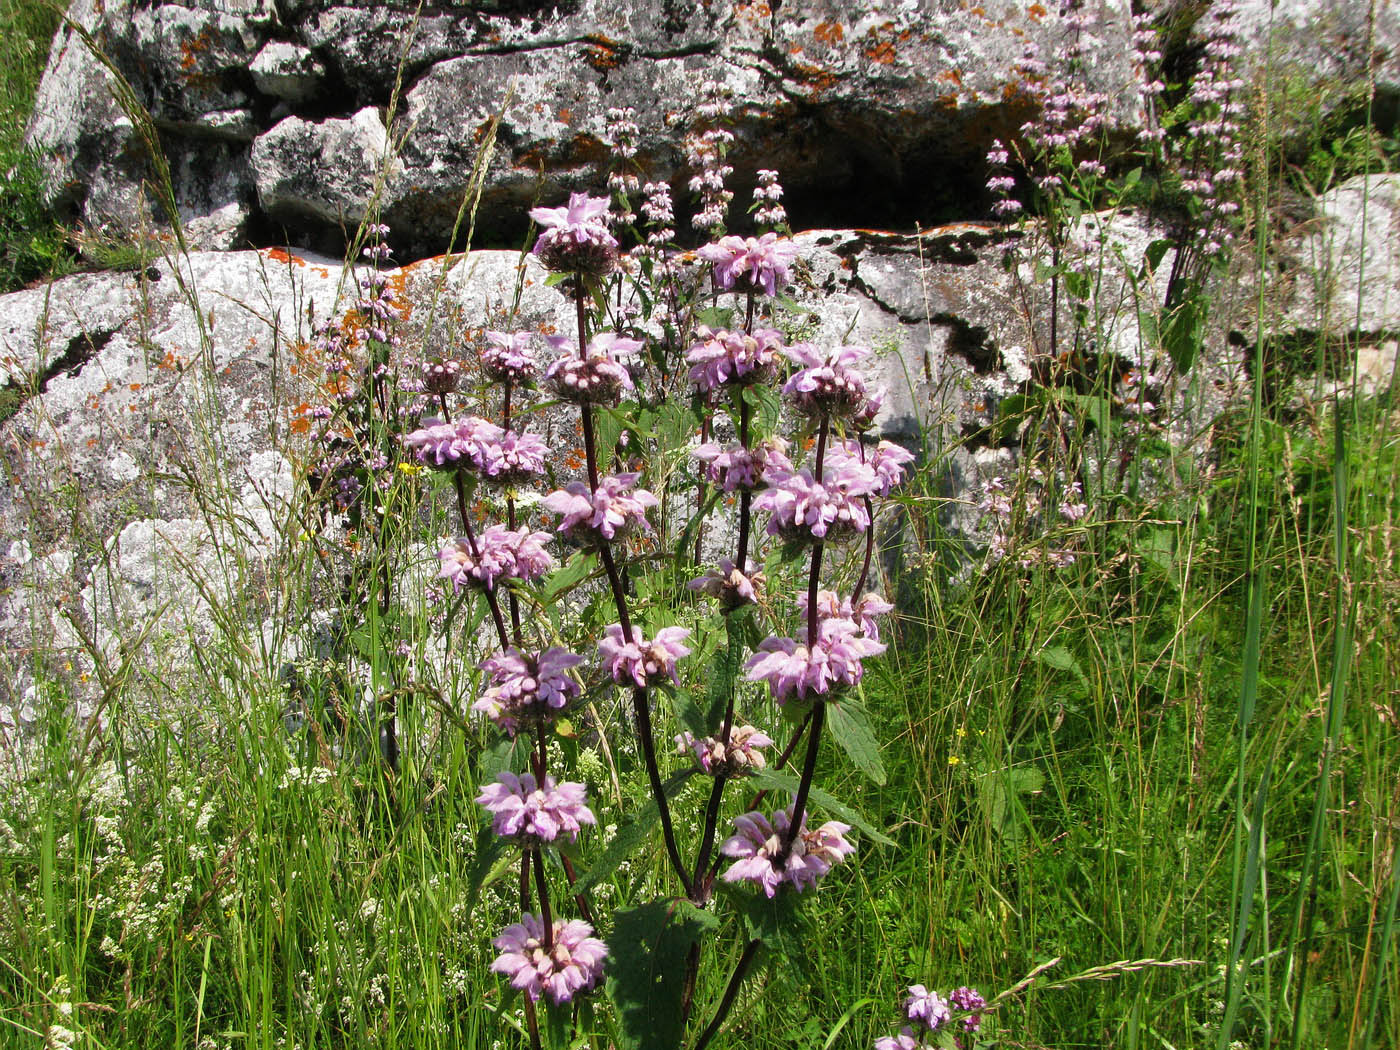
(646, 969)
(780, 780)
(850, 725)
(630, 835)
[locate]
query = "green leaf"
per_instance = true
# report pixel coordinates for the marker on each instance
(646, 970)
(724, 669)
(1012, 412)
(490, 861)
(1184, 330)
(1061, 660)
(630, 835)
(1089, 408)
(566, 577)
(1000, 791)
(850, 725)
(780, 780)
(687, 710)
(776, 921)
(715, 317)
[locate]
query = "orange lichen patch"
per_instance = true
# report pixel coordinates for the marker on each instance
(953, 76)
(92, 442)
(881, 53)
(1037, 11)
(564, 115)
(398, 285)
(277, 255)
(134, 387)
(829, 32)
(321, 271)
(190, 49)
(754, 11)
(815, 77)
(600, 58)
(794, 49)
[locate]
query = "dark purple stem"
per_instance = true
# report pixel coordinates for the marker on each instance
(510, 523)
(641, 709)
(814, 738)
(542, 888)
(731, 992)
(491, 601)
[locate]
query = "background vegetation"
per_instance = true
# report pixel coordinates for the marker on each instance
(1181, 748)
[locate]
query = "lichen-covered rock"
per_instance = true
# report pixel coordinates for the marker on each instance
(327, 171)
(287, 71)
(861, 106)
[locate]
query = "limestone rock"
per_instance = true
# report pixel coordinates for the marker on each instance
(1346, 277)
(326, 170)
(287, 71)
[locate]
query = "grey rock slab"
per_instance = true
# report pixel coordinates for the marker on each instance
(1345, 275)
(287, 71)
(328, 170)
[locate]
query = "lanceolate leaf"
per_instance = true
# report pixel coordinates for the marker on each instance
(724, 669)
(779, 780)
(646, 970)
(851, 729)
(630, 835)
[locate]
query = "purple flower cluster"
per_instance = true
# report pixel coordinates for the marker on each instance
(448, 446)
(757, 843)
(732, 587)
(794, 670)
(499, 456)
(643, 662)
(526, 689)
(576, 237)
(500, 554)
(766, 197)
(722, 357)
(751, 264)
(827, 384)
(568, 962)
(507, 358)
(598, 377)
(930, 1013)
(522, 809)
(801, 509)
(607, 513)
(831, 606)
(741, 753)
(735, 468)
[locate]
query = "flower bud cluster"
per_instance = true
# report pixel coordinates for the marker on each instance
(598, 377)
(723, 357)
(472, 443)
(500, 555)
(757, 846)
(751, 264)
(743, 752)
(637, 661)
(766, 196)
(529, 812)
(795, 670)
(527, 689)
(507, 359)
(559, 963)
(611, 512)
(931, 1017)
(576, 238)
